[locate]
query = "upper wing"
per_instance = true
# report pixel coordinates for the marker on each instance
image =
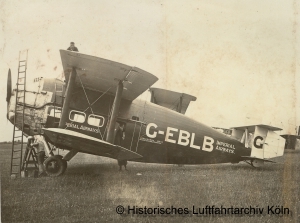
(170, 99)
(68, 139)
(101, 74)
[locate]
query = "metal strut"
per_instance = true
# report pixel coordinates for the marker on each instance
(64, 113)
(114, 114)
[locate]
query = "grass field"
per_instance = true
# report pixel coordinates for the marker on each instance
(93, 187)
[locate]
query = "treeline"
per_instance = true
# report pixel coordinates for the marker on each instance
(9, 142)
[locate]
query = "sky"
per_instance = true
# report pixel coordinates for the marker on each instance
(239, 58)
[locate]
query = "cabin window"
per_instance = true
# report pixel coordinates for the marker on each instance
(77, 116)
(55, 112)
(96, 120)
(135, 118)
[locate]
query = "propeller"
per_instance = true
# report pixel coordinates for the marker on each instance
(8, 94)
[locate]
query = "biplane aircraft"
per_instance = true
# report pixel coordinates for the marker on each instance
(83, 114)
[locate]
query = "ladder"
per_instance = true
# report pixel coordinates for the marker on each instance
(18, 131)
(30, 157)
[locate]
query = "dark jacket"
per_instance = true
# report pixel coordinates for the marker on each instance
(74, 48)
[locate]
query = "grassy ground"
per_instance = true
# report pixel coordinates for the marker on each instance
(92, 188)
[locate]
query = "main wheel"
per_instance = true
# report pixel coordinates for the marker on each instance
(55, 166)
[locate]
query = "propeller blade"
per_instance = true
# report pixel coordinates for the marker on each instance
(8, 95)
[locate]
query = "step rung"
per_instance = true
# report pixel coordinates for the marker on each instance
(31, 168)
(16, 165)
(22, 65)
(31, 162)
(22, 71)
(19, 123)
(14, 158)
(17, 151)
(22, 61)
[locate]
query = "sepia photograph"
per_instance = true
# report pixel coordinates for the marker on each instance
(150, 111)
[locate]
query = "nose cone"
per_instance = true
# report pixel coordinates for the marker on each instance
(10, 116)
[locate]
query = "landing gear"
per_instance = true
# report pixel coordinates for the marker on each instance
(55, 166)
(255, 163)
(122, 163)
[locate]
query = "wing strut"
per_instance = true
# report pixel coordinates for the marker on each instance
(114, 114)
(69, 90)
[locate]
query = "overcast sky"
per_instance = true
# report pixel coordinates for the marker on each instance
(239, 58)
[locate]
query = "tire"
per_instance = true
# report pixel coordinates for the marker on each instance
(55, 166)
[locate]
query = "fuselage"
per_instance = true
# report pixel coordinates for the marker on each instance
(157, 133)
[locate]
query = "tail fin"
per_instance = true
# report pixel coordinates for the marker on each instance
(266, 143)
(262, 140)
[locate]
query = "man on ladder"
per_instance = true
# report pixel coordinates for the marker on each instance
(39, 147)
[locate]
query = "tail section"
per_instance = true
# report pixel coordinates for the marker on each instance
(262, 140)
(267, 144)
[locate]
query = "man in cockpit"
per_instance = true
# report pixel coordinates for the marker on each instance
(72, 47)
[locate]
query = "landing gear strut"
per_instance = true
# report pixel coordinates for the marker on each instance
(55, 166)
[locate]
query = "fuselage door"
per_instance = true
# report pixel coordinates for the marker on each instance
(133, 130)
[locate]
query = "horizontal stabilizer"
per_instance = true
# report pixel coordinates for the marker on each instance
(170, 99)
(68, 139)
(103, 75)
